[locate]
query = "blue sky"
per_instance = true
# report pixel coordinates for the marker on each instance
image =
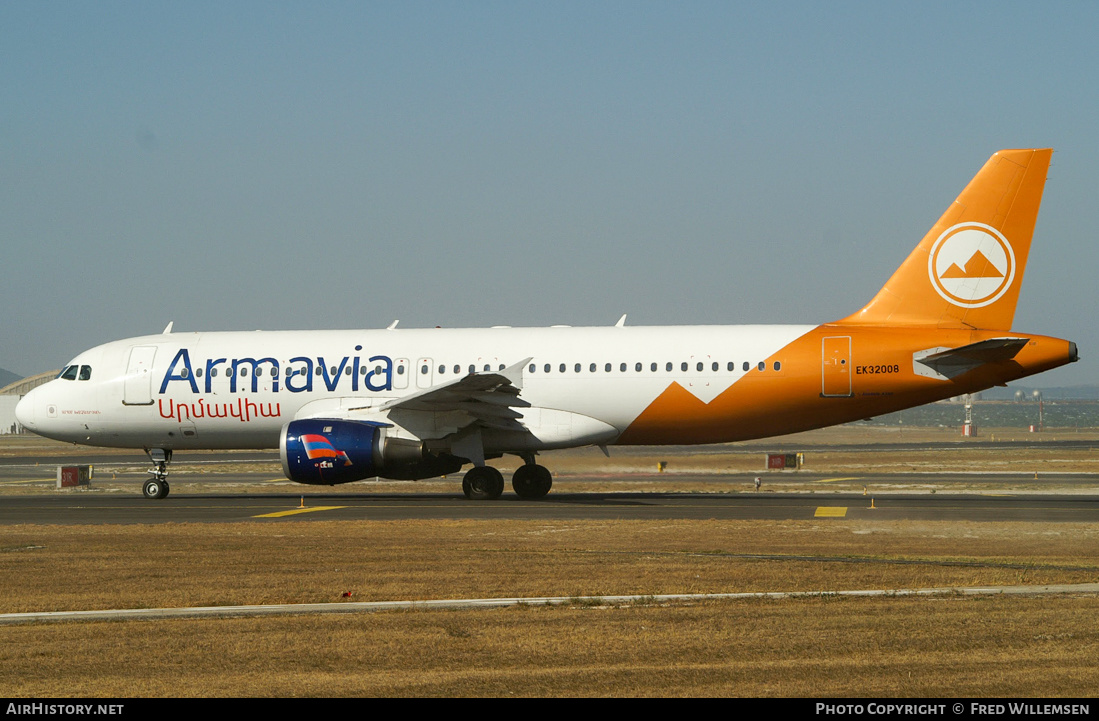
(312, 165)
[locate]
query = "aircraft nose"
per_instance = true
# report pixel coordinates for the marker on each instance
(24, 410)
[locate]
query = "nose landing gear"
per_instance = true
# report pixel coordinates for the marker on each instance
(157, 486)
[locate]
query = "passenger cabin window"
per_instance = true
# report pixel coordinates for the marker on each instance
(777, 365)
(762, 366)
(698, 366)
(747, 365)
(731, 366)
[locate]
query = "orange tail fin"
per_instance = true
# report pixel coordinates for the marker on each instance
(967, 270)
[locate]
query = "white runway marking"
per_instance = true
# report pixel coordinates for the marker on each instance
(470, 603)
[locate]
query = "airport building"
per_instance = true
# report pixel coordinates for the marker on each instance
(10, 395)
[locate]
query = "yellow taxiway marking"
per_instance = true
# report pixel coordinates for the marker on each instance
(831, 512)
(833, 480)
(279, 514)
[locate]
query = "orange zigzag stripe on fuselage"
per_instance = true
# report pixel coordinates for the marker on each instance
(768, 403)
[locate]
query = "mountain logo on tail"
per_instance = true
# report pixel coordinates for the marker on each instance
(971, 265)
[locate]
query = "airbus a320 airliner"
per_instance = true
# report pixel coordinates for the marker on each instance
(345, 405)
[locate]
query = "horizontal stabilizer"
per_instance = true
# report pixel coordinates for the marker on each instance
(953, 362)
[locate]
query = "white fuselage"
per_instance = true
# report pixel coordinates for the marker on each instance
(238, 389)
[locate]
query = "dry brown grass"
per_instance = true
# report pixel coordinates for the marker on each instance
(827, 646)
(93, 567)
(991, 647)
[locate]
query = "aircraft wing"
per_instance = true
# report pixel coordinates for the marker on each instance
(486, 400)
(952, 362)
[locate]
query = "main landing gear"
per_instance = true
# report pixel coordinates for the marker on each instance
(485, 483)
(157, 486)
(532, 481)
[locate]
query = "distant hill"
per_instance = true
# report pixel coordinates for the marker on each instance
(7, 377)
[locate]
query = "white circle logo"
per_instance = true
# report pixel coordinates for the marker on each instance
(971, 265)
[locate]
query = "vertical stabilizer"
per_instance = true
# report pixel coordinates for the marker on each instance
(967, 270)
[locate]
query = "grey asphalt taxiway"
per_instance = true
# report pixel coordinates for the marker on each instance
(230, 495)
(90, 507)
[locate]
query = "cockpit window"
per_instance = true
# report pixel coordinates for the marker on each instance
(69, 373)
(85, 373)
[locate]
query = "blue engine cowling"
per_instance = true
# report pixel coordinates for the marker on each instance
(325, 452)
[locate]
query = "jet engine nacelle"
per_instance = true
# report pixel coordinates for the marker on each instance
(325, 452)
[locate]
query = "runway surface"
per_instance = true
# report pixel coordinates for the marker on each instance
(221, 487)
(92, 508)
